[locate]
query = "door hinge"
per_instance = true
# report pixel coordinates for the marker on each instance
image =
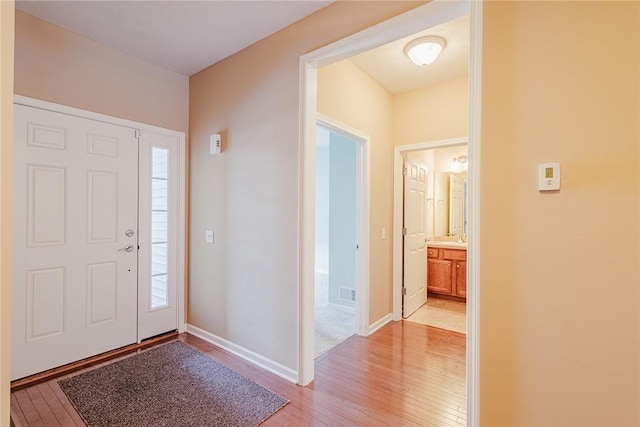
(404, 231)
(404, 171)
(404, 291)
(136, 133)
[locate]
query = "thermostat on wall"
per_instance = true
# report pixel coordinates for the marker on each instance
(549, 177)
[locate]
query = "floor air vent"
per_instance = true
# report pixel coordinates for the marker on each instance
(348, 294)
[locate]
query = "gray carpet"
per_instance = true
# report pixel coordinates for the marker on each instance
(332, 325)
(171, 385)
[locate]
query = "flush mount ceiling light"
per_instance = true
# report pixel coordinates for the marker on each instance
(424, 50)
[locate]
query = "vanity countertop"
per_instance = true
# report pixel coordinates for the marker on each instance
(452, 245)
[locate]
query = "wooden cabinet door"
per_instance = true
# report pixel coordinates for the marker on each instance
(461, 278)
(439, 276)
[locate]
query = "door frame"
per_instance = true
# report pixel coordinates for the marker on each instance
(398, 211)
(181, 222)
(363, 144)
(413, 21)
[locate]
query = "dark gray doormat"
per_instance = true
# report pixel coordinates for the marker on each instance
(172, 385)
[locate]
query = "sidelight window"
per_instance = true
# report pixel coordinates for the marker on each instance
(159, 227)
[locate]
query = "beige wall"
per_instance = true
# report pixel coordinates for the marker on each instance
(6, 139)
(559, 273)
(350, 96)
(244, 288)
(443, 157)
(431, 113)
(57, 65)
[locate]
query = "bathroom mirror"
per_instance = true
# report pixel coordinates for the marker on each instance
(457, 204)
(446, 207)
(450, 204)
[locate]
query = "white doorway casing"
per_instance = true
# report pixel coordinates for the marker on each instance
(423, 17)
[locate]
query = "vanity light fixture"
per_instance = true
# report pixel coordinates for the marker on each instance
(459, 164)
(424, 50)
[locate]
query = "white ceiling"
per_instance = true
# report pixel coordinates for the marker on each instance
(187, 36)
(181, 35)
(390, 67)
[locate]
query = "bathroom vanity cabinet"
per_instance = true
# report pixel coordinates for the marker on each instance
(447, 272)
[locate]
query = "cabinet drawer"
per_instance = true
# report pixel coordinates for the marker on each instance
(432, 252)
(454, 254)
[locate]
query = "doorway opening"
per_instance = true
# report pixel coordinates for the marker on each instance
(341, 270)
(426, 16)
(436, 225)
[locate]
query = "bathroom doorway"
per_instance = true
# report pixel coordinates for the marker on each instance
(443, 212)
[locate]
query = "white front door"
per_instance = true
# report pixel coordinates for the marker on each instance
(415, 260)
(75, 239)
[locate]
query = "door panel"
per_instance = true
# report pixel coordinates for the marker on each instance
(75, 194)
(158, 290)
(415, 269)
(45, 302)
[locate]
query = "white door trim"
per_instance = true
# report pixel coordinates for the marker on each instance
(473, 243)
(362, 220)
(180, 244)
(426, 16)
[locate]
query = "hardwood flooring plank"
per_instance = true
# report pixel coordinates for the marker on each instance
(16, 412)
(29, 411)
(56, 406)
(46, 414)
(66, 404)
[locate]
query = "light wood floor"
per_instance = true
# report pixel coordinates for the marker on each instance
(405, 374)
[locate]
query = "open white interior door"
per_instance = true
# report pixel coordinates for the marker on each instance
(75, 239)
(415, 260)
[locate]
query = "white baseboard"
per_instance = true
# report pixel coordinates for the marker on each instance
(380, 323)
(248, 355)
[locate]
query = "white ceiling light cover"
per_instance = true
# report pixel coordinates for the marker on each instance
(425, 50)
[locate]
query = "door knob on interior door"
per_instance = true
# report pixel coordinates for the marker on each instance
(128, 248)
